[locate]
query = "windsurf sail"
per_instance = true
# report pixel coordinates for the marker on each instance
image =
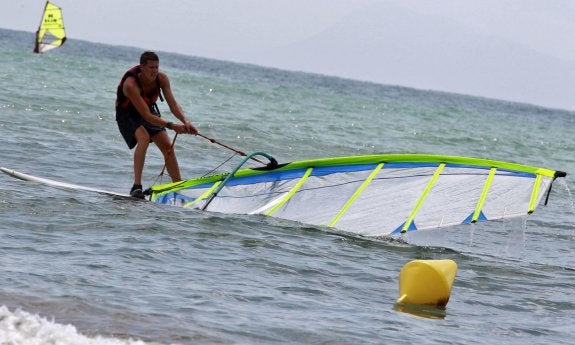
(50, 33)
(374, 195)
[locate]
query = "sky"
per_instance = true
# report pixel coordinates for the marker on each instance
(515, 50)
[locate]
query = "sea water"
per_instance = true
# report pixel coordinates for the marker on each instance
(84, 268)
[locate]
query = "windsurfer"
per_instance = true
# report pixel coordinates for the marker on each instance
(139, 118)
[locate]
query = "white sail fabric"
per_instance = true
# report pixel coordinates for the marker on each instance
(373, 195)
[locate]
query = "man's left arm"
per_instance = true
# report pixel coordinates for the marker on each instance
(174, 106)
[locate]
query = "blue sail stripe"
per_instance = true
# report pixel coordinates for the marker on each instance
(282, 175)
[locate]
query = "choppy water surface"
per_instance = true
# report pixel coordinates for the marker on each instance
(83, 268)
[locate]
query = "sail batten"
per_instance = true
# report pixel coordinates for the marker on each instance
(51, 33)
(373, 195)
(408, 223)
(477, 213)
(288, 196)
(534, 194)
(203, 196)
(356, 194)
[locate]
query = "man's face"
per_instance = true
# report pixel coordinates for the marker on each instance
(150, 70)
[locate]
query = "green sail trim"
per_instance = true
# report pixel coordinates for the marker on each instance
(354, 160)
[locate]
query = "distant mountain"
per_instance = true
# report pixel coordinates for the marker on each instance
(427, 52)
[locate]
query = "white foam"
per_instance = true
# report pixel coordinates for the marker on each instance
(22, 328)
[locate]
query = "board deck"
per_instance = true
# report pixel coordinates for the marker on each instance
(59, 184)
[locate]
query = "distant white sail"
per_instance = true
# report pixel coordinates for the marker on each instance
(50, 33)
(372, 195)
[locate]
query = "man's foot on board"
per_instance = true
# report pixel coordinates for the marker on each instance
(137, 192)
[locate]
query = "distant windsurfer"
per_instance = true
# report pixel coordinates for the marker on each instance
(139, 118)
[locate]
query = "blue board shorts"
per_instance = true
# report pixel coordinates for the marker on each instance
(129, 120)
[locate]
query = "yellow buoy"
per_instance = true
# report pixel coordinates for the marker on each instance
(426, 282)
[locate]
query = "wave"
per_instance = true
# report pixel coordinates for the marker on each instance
(20, 327)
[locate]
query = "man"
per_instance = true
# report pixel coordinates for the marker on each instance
(139, 118)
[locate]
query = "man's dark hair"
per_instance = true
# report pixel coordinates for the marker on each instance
(148, 56)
